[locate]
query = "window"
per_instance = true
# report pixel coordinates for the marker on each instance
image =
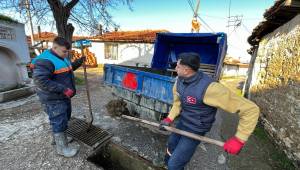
(111, 51)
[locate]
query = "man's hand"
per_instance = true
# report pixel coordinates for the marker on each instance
(69, 93)
(233, 145)
(166, 122)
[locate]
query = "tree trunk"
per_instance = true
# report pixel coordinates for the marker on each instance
(66, 31)
(61, 15)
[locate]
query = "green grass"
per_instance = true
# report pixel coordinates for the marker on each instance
(281, 161)
(260, 133)
(79, 80)
(6, 18)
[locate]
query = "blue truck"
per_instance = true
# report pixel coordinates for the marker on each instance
(148, 91)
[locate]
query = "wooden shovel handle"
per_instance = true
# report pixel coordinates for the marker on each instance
(181, 132)
(90, 117)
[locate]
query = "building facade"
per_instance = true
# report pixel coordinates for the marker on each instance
(14, 55)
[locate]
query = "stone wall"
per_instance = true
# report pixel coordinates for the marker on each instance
(275, 86)
(14, 55)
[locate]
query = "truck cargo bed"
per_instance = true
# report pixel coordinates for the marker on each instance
(147, 98)
(148, 91)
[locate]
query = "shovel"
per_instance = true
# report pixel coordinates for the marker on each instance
(181, 132)
(90, 117)
(84, 131)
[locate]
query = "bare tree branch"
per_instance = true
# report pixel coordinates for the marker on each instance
(86, 14)
(71, 4)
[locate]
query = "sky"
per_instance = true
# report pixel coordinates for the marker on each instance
(176, 16)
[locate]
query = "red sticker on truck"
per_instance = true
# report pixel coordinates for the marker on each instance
(129, 81)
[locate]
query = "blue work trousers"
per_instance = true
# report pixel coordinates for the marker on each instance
(59, 113)
(181, 148)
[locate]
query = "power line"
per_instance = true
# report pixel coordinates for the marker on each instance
(233, 21)
(252, 18)
(229, 34)
(221, 17)
(211, 16)
(229, 8)
(206, 28)
(228, 15)
(191, 5)
(205, 24)
(245, 27)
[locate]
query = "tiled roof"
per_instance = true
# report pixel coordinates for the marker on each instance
(281, 12)
(144, 36)
(49, 36)
(236, 62)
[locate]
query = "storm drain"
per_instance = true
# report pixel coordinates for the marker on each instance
(116, 157)
(94, 137)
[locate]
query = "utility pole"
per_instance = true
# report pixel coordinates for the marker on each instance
(228, 16)
(27, 6)
(233, 21)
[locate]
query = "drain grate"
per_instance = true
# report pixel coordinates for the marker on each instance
(93, 138)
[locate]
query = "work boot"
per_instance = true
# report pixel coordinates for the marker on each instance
(69, 139)
(62, 147)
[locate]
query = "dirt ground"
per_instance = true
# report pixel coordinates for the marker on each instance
(25, 143)
(25, 136)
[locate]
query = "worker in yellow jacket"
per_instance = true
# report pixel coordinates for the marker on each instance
(196, 99)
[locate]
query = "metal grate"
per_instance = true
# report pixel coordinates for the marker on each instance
(93, 138)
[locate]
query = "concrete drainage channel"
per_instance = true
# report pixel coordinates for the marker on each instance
(16, 93)
(114, 157)
(106, 154)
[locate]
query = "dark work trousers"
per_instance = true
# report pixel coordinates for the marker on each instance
(59, 113)
(181, 148)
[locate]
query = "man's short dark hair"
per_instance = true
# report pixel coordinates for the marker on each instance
(62, 42)
(190, 59)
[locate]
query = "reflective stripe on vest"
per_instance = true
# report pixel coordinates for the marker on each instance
(60, 66)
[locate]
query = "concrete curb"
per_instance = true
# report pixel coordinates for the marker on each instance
(17, 93)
